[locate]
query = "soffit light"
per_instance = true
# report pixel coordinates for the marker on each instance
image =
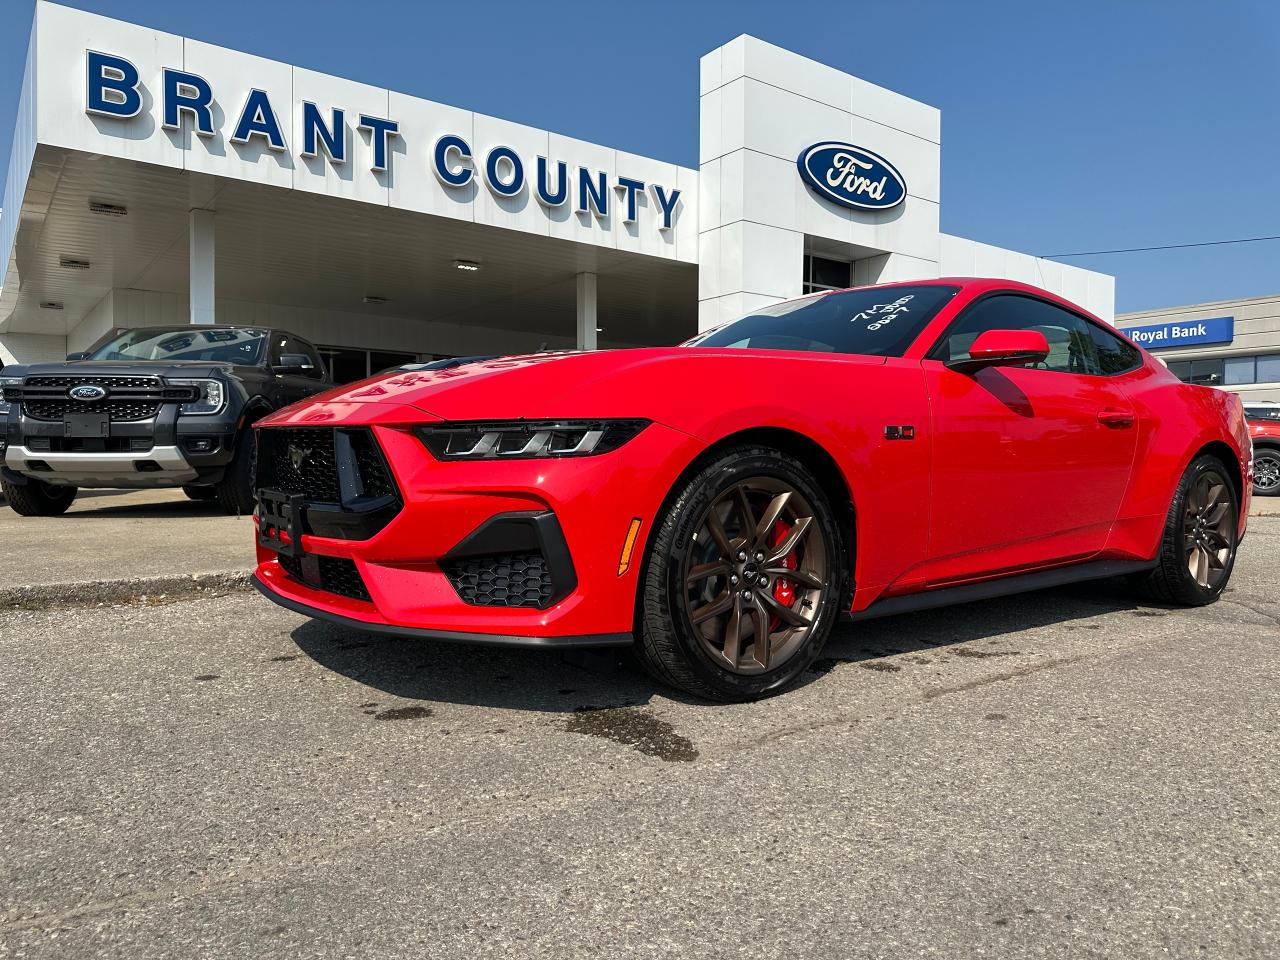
(375, 301)
(470, 266)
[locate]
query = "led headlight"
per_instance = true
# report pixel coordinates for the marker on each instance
(527, 439)
(11, 385)
(213, 397)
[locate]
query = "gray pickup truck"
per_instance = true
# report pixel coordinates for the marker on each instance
(149, 407)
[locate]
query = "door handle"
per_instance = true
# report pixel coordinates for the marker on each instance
(1112, 417)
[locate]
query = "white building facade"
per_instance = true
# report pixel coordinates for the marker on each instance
(155, 179)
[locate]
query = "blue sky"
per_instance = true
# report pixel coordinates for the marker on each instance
(1066, 126)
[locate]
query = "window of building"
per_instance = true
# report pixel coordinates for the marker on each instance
(823, 274)
(1207, 372)
(349, 364)
(1239, 370)
(1269, 368)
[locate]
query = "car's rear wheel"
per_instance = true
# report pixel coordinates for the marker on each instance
(200, 493)
(38, 499)
(743, 577)
(1198, 546)
(1266, 471)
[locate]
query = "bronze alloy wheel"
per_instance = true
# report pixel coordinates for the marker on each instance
(1266, 472)
(1208, 529)
(755, 575)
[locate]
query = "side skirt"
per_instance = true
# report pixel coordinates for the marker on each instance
(1002, 587)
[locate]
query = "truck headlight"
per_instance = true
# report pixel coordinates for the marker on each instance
(213, 397)
(526, 439)
(11, 383)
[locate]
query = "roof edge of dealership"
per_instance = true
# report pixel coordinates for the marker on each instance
(256, 191)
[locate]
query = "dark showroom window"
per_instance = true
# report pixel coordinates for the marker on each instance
(823, 274)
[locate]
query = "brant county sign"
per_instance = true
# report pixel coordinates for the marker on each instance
(851, 176)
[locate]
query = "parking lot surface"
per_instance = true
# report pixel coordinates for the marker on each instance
(1064, 774)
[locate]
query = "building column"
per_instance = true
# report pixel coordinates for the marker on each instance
(586, 311)
(202, 255)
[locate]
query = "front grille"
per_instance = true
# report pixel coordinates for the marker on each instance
(374, 475)
(315, 475)
(304, 462)
(128, 399)
(502, 580)
(115, 409)
(111, 383)
(335, 575)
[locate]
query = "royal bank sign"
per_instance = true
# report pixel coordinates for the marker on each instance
(114, 89)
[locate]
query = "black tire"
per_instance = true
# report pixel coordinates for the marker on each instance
(38, 499)
(202, 494)
(234, 492)
(667, 645)
(1266, 471)
(1172, 581)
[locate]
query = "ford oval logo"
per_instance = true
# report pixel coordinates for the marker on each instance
(87, 392)
(851, 176)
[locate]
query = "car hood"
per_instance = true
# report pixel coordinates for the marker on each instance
(119, 368)
(641, 383)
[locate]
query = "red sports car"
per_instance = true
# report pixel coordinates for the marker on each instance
(1264, 427)
(722, 503)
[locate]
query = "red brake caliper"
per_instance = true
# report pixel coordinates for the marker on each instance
(784, 590)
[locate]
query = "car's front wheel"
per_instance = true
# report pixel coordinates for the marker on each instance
(36, 498)
(1198, 545)
(743, 577)
(1266, 471)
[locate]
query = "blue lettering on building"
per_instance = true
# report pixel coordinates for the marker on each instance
(1182, 333)
(115, 89)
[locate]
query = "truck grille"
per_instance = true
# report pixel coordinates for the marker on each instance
(115, 409)
(304, 462)
(128, 399)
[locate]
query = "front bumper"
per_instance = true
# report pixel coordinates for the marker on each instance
(594, 501)
(157, 467)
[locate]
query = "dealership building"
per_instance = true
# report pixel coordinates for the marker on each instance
(1233, 344)
(156, 179)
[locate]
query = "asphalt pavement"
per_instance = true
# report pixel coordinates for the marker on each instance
(1065, 774)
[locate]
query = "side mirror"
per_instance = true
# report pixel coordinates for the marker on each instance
(293, 363)
(1003, 348)
(78, 355)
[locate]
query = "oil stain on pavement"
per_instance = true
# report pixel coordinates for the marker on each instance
(634, 728)
(403, 713)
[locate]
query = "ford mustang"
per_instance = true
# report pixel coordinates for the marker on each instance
(721, 504)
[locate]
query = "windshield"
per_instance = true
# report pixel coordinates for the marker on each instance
(877, 321)
(185, 343)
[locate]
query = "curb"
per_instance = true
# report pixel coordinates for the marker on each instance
(93, 593)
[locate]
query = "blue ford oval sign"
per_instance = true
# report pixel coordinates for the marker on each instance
(88, 392)
(851, 176)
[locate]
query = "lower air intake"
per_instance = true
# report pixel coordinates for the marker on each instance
(502, 580)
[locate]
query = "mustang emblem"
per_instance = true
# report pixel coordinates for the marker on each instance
(298, 455)
(88, 392)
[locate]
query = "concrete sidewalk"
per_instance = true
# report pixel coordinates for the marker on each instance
(115, 535)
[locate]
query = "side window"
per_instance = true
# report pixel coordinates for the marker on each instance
(1115, 353)
(317, 365)
(1071, 344)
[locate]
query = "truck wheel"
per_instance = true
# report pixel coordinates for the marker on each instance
(234, 492)
(200, 493)
(38, 499)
